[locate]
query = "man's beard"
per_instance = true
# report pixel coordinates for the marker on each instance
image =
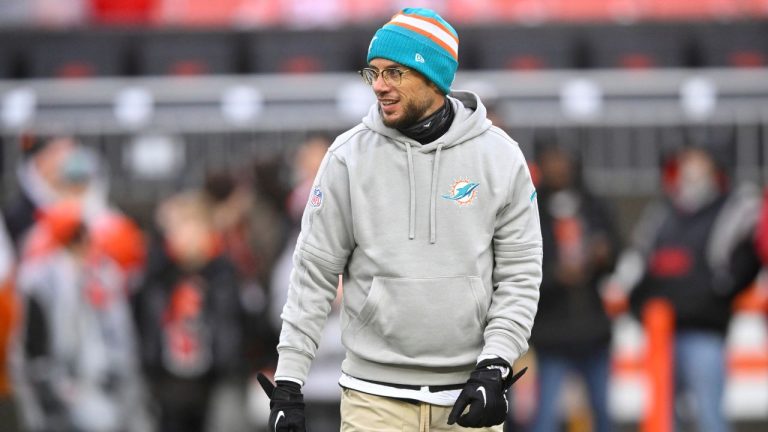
(412, 114)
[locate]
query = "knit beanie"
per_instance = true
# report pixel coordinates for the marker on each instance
(421, 40)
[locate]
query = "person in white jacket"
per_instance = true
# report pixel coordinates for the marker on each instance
(429, 214)
(75, 360)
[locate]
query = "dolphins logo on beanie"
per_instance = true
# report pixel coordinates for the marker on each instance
(421, 40)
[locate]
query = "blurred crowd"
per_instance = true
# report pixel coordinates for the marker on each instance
(111, 325)
(695, 247)
(334, 13)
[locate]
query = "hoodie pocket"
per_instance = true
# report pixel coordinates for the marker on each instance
(433, 322)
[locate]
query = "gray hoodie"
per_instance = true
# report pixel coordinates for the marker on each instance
(439, 246)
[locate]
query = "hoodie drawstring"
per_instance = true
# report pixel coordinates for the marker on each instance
(412, 182)
(433, 204)
(433, 195)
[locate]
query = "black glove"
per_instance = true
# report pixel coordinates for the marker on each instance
(485, 394)
(286, 405)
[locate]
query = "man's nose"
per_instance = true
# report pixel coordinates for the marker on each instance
(380, 85)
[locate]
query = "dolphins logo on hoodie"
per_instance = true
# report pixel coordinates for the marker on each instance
(463, 192)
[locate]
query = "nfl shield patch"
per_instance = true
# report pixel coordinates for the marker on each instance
(316, 198)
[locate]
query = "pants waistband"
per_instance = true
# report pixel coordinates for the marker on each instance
(431, 389)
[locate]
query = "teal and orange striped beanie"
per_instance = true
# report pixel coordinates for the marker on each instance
(419, 39)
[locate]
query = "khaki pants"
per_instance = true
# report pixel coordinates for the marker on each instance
(362, 412)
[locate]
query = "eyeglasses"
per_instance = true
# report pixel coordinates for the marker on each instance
(392, 76)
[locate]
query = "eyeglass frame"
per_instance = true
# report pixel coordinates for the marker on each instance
(385, 73)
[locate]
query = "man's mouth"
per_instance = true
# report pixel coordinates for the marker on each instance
(389, 106)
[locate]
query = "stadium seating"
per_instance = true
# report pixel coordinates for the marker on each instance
(141, 51)
(285, 51)
(640, 46)
(187, 53)
(79, 55)
(518, 48)
(733, 45)
(7, 61)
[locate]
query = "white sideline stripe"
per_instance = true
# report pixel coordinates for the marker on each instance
(430, 28)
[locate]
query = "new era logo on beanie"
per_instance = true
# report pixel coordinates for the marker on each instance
(421, 40)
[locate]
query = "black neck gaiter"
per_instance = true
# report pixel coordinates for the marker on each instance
(432, 127)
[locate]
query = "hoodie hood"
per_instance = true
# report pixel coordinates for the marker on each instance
(469, 122)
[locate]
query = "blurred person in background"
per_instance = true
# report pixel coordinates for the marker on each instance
(189, 314)
(692, 248)
(41, 180)
(572, 332)
(75, 358)
(8, 317)
(321, 391)
(430, 214)
(73, 245)
(54, 169)
(750, 255)
(232, 196)
(271, 186)
(761, 233)
(238, 217)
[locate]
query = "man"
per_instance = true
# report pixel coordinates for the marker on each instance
(54, 169)
(190, 315)
(40, 183)
(580, 245)
(694, 248)
(430, 215)
(74, 361)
